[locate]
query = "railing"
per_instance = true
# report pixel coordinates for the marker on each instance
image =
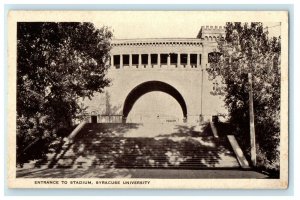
(109, 118)
(156, 66)
(99, 118)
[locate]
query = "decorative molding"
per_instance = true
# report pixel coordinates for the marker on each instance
(158, 42)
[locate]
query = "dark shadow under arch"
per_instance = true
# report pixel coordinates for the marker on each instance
(151, 86)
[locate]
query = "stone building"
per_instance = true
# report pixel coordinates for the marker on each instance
(175, 66)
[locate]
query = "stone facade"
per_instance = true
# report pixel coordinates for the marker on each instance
(178, 62)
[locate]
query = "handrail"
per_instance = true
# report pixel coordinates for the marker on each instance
(76, 130)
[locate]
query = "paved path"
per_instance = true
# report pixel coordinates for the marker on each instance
(140, 173)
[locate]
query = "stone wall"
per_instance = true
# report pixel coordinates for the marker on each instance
(187, 78)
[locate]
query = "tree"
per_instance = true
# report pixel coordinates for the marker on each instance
(109, 108)
(245, 49)
(57, 64)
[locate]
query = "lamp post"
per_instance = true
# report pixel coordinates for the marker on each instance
(251, 114)
(252, 127)
(201, 105)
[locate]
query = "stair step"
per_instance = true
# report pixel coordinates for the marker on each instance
(91, 148)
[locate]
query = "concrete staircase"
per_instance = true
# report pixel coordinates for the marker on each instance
(125, 146)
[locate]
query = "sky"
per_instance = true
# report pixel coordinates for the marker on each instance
(165, 24)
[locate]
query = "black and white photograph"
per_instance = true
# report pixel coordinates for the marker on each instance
(148, 99)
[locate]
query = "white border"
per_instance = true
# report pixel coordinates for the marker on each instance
(278, 16)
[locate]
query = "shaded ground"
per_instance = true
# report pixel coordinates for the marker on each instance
(140, 150)
(141, 173)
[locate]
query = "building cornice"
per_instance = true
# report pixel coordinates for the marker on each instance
(156, 41)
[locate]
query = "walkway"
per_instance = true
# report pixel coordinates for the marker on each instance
(140, 173)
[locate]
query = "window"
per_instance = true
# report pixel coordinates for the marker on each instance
(126, 60)
(135, 59)
(164, 59)
(144, 59)
(117, 61)
(173, 58)
(200, 57)
(183, 59)
(193, 59)
(154, 59)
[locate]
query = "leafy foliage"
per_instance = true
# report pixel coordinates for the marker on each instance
(109, 108)
(57, 63)
(245, 49)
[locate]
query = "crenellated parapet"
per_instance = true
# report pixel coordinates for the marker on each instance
(211, 33)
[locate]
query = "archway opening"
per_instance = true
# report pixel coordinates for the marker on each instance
(155, 107)
(152, 86)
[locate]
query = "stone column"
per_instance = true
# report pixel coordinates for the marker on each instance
(149, 60)
(169, 60)
(121, 61)
(130, 60)
(178, 59)
(112, 60)
(140, 60)
(198, 60)
(158, 60)
(188, 60)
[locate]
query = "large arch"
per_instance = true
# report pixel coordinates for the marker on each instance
(151, 86)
